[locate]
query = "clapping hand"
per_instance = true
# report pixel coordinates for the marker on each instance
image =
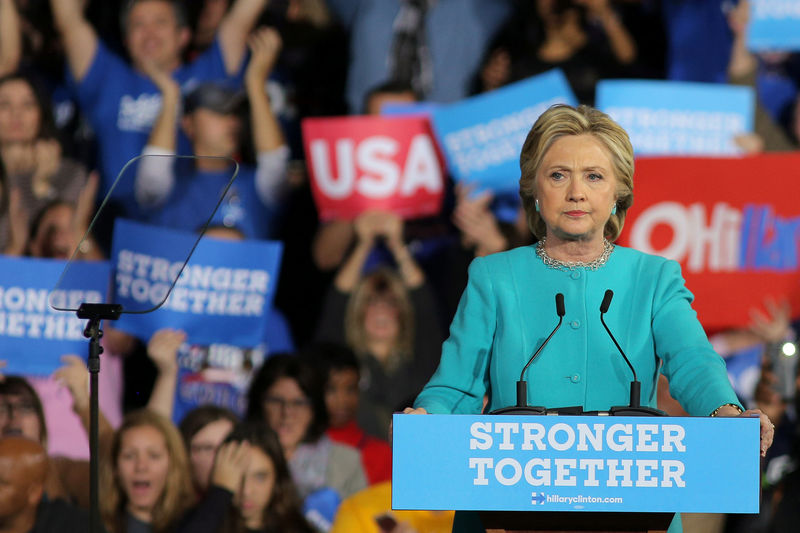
(163, 349)
(75, 377)
(265, 46)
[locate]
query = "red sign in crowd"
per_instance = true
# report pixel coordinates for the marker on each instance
(360, 163)
(732, 223)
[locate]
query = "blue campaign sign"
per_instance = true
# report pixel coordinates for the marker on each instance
(33, 335)
(774, 25)
(678, 118)
(482, 136)
(406, 109)
(575, 463)
(222, 296)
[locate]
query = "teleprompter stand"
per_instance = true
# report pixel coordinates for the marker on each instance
(95, 314)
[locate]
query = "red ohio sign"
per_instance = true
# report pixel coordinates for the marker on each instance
(361, 163)
(732, 223)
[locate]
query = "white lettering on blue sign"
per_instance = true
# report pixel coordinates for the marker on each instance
(199, 289)
(569, 471)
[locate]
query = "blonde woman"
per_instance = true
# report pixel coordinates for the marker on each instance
(145, 483)
(387, 317)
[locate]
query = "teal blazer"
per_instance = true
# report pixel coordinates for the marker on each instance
(508, 309)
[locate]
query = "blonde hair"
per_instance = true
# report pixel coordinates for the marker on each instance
(178, 495)
(558, 121)
(381, 283)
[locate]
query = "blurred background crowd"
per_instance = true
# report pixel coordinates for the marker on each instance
(362, 305)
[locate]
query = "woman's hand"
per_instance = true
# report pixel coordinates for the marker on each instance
(230, 465)
(391, 227)
(774, 325)
(265, 46)
(415, 411)
(767, 428)
(367, 226)
(75, 377)
(162, 79)
(48, 159)
(476, 222)
(163, 349)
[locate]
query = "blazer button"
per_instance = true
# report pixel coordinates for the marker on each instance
(576, 274)
(575, 378)
(575, 324)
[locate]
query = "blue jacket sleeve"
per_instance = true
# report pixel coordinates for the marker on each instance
(462, 379)
(697, 375)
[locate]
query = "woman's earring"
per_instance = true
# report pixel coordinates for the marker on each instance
(614, 209)
(536, 204)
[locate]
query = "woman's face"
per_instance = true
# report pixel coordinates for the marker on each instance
(203, 448)
(142, 466)
(381, 319)
(288, 412)
(341, 396)
(19, 113)
(257, 487)
(576, 188)
(18, 416)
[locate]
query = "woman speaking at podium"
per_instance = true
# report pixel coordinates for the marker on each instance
(576, 186)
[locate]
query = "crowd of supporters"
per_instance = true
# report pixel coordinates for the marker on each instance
(362, 305)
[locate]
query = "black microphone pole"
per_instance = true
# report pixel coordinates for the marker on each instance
(522, 406)
(635, 406)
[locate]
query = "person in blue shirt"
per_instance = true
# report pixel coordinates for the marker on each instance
(120, 99)
(182, 193)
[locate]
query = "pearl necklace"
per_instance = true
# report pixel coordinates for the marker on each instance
(557, 264)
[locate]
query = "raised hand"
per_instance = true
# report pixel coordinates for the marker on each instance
(48, 159)
(476, 221)
(75, 377)
(265, 47)
(161, 78)
(368, 226)
(163, 349)
(772, 326)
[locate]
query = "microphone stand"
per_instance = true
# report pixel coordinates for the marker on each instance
(95, 313)
(634, 408)
(522, 407)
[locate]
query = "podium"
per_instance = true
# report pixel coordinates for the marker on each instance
(575, 473)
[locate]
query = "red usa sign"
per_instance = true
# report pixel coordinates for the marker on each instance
(361, 163)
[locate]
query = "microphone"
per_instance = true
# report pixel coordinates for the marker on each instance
(634, 408)
(522, 407)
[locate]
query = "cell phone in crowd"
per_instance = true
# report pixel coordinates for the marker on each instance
(386, 522)
(783, 356)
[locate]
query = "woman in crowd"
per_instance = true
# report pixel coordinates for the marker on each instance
(576, 187)
(203, 430)
(145, 481)
(287, 394)
(251, 488)
(36, 174)
(388, 318)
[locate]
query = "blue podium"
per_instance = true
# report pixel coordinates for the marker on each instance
(576, 473)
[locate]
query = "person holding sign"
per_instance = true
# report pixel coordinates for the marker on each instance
(389, 319)
(576, 186)
(212, 124)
